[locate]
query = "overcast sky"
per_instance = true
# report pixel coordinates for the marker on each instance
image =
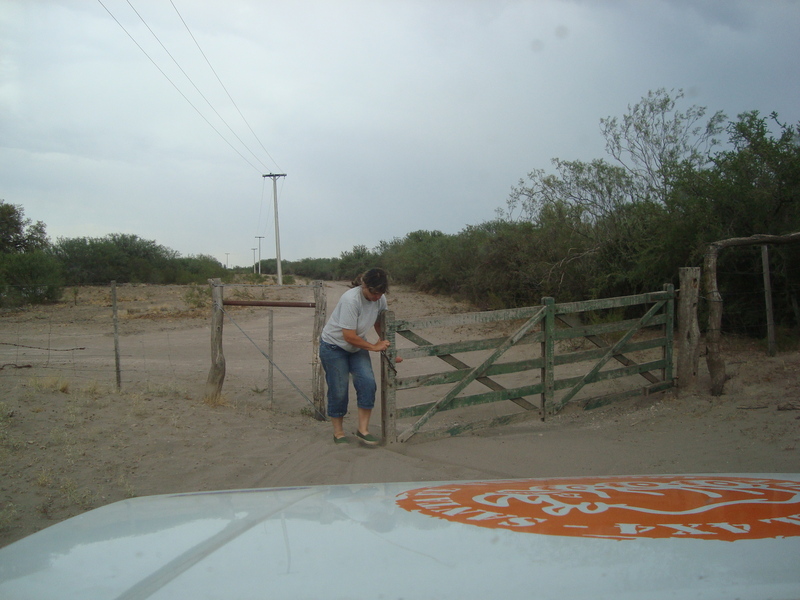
(387, 116)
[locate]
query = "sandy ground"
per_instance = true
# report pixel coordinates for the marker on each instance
(70, 441)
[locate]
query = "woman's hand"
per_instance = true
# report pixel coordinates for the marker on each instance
(381, 345)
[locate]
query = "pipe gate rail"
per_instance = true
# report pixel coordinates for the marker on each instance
(546, 325)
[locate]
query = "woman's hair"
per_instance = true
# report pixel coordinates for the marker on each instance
(376, 280)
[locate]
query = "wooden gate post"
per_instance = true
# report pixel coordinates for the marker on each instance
(388, 379)
(216, 375)
(669, 334)
(771, 347)
(317, 372)
(688, 327)
(548, 357)
(716, 364)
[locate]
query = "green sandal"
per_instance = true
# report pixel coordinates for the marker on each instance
(341, 440)
(368, 439)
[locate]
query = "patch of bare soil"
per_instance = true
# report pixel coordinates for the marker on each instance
(71, 441)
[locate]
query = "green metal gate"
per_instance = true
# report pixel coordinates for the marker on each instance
(552, 326)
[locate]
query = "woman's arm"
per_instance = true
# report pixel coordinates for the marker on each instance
(351, 337)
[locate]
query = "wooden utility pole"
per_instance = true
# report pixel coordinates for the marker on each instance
(274, 177)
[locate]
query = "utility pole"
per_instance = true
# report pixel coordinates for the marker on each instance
(259, 238)
(274, 177)
(254, 259)
(226, 259)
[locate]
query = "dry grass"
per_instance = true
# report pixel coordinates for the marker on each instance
(50, 384)
(72, 444)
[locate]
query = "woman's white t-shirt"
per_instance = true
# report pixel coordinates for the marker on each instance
(353, 311)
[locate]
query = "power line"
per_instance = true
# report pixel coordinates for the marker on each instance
(223, 85)
(177, 64)
(178, 89)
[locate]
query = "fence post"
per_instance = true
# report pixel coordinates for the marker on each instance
(216, 375)
(548, 357)
(388, 379)
(116, 334)
(771, 347)
(716, 364)
(669, 334)
(317, 372)
(688, 327)
(271, 354)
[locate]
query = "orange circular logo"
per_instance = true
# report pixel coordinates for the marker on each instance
(679, 507)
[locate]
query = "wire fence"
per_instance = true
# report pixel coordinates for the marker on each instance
(163, 343)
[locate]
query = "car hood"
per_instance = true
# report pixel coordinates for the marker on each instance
(665, 536)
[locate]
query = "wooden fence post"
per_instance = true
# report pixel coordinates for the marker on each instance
(771, 347)
(669, 334)
(116, 333)
(216, 375)
(716, 364)
(271, 354)
(548, 357)
(388, 377)
(688, 327)
(317, 372)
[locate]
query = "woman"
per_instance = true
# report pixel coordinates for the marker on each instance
(344, 351)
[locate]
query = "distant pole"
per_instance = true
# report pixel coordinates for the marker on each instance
(116, 333)
(259, 238)
(226, 259)
(274, 177)
(254, 259)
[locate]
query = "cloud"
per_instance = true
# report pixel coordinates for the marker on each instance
(387, 117)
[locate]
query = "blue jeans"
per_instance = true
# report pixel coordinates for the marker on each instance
(339, 364)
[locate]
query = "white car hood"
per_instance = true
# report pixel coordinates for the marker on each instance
(698, 536)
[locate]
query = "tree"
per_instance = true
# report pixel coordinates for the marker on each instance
(615, 209)
(29, 277)
(127, 258)
(353, 263)
(653, 140)
(18, 234)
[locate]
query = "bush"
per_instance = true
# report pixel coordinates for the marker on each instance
(29, 278)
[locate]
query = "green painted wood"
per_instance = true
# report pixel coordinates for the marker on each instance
(388, 380)
(572, 321)
(452, 321)
(606, 303)
(471, 400)
(447, 377)
(450, 348)
(476, 372)
(598, 353)
(446, 349)
(549, 334)
(614, 350)
(567, 383)
(463, 369)
(669, 333)
(599, 401)
(603, 328)
(547, 372)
